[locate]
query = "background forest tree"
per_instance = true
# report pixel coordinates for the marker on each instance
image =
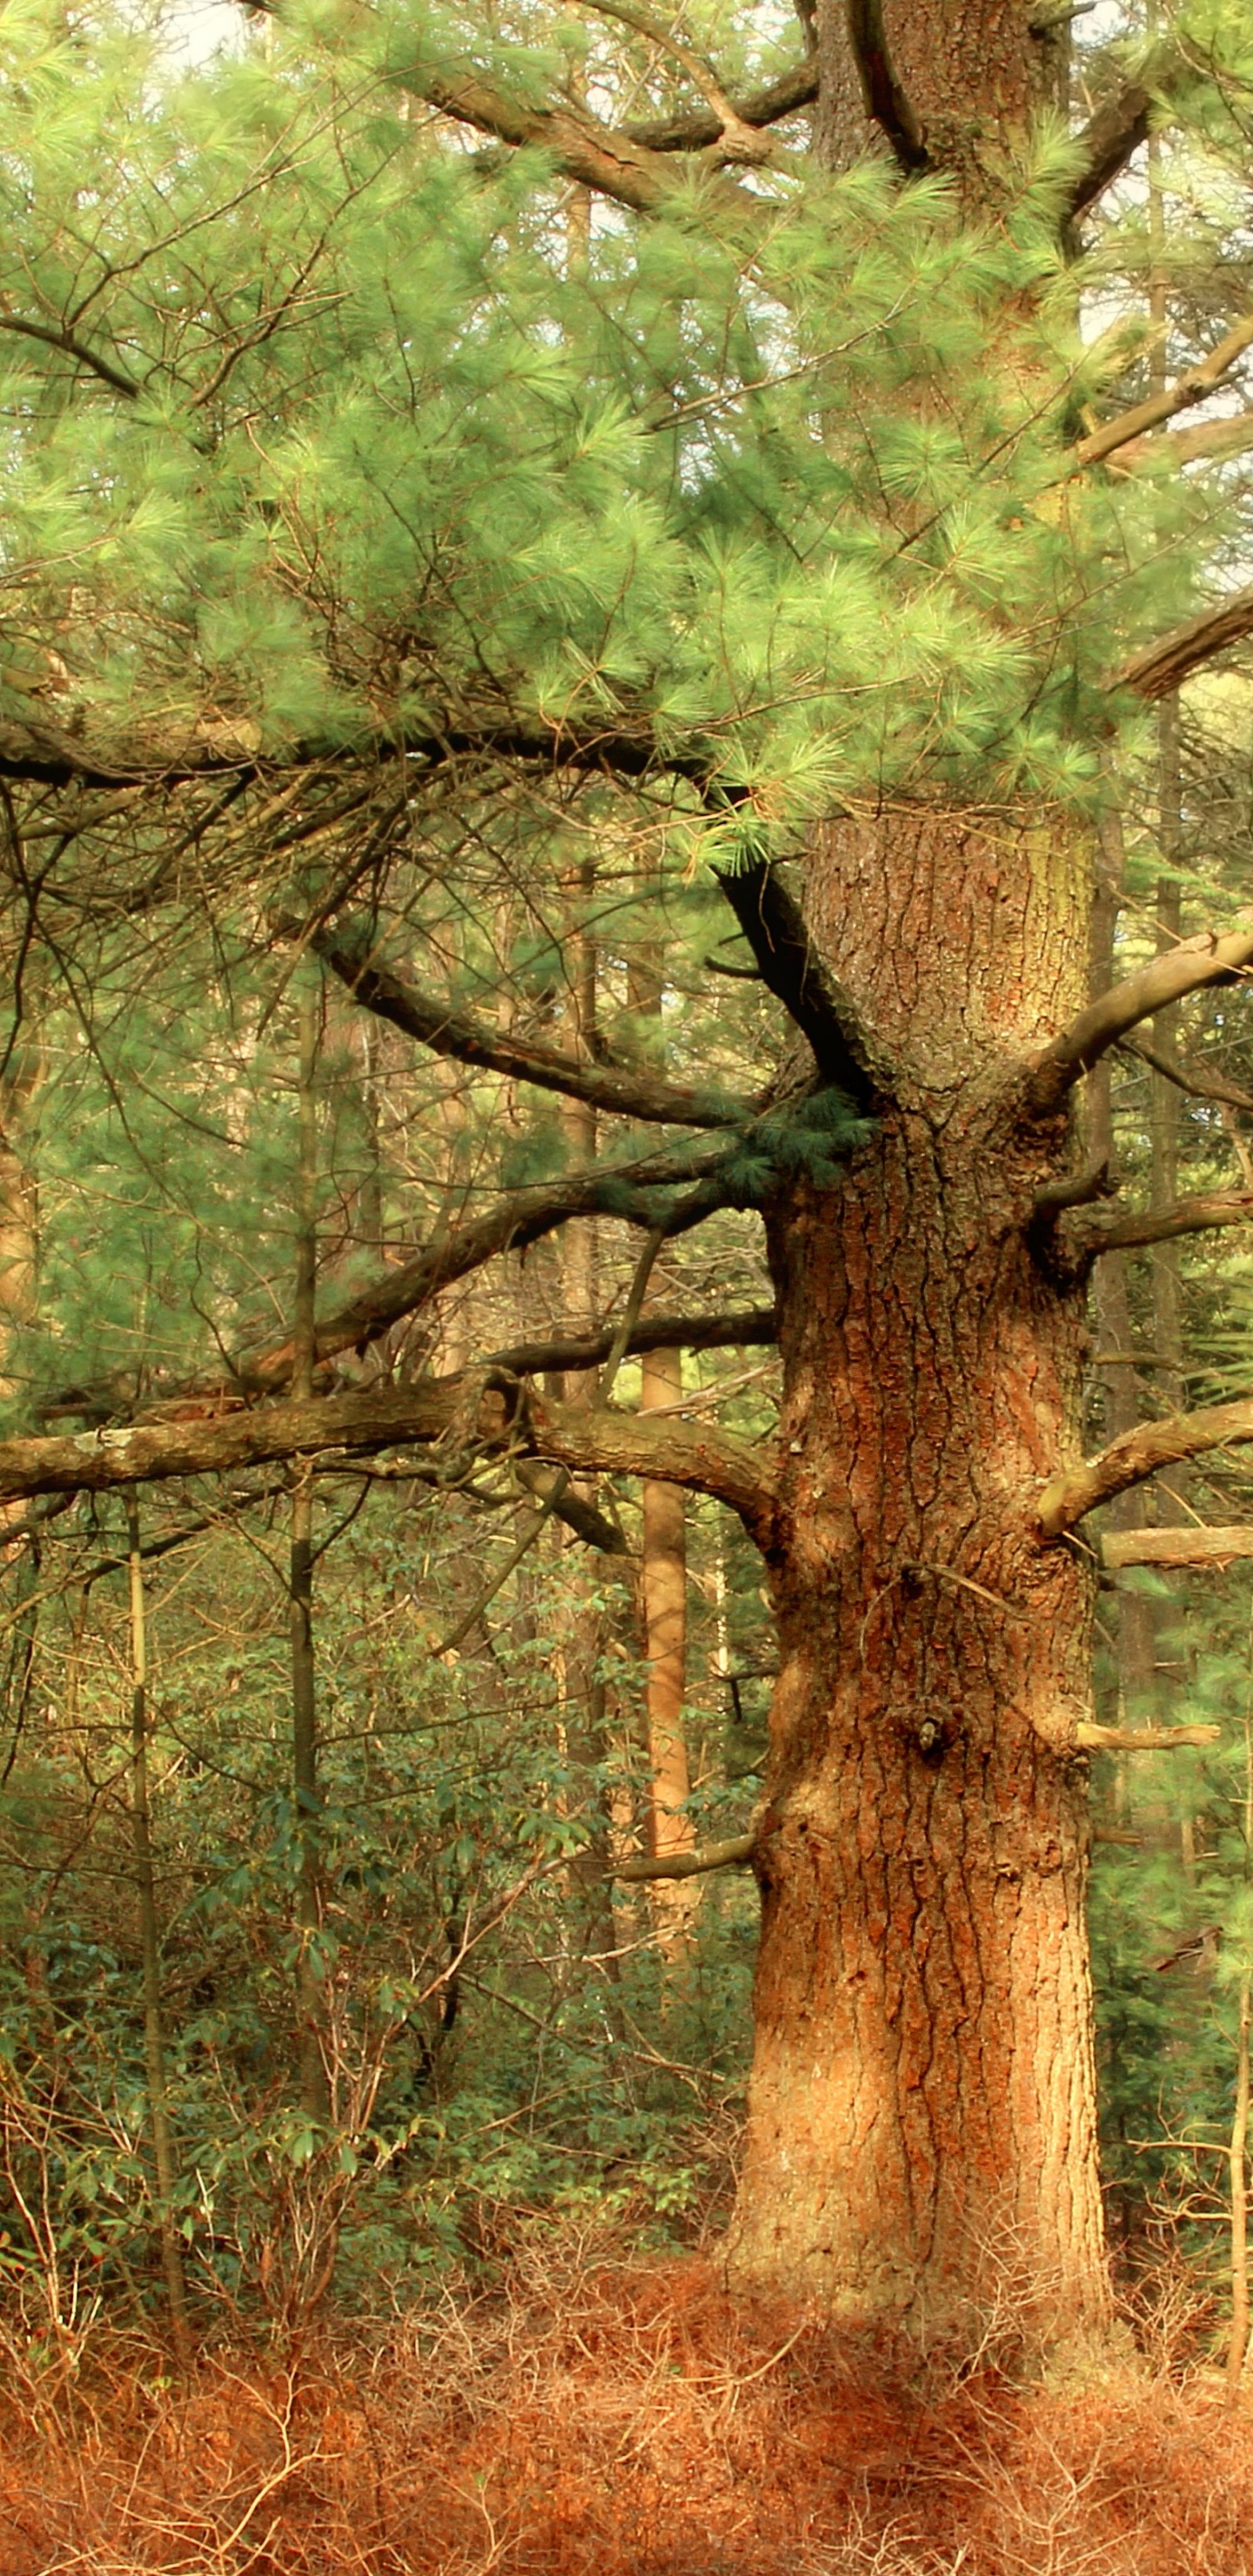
(593, 617)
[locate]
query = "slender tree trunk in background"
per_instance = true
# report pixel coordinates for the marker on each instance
(585, 1708)
(150, 1946)
(1238, 2159)
(922, 2117)
(312, 2070)
(663, 1577)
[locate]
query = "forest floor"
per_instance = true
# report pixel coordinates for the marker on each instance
(593, 2416)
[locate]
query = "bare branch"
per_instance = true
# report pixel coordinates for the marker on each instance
(774, 927)
(1189, 1078)
(887, 102)
(1187, 389)
(1161, 668)
(660, 1333)
(735, 1853)
(1097, 1180)
(427, 1017)
(478, 1409)
(1108, 141)
(1163, 1225)
(1144, 1739)
(579, 1515)
(1137, 1454)
(1189, 968)
(598, 156)
(1212, 438)
(517, 1218)
(697, 131)
(1177, 1546)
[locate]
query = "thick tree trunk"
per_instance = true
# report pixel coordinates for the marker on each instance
(922, 2134)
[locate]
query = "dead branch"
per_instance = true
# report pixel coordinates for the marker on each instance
(1163, 667)
(1189, 1078)
(1162, 1225)
(1137, 1454)
(700, 128)
(1144, 1739)
(1191, 387)
(1177, 1546)
(736, 1853)
(759, 1324)
(1189, 968)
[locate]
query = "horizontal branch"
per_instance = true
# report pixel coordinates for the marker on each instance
(700, 128)
(1197, 1215)
(1180, 1545)
(517, 1218)
(735, 1853)
(1192, 387)
(774, 926)
(1189, 968)
(1161, 668)
(479, 1410)
(1189, 1077)
(757, 1324)
(1137, 1454)
(605, 158)
(1144, 1739)
(429, 1018)
(44, 754)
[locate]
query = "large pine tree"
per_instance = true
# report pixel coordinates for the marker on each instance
(391, 544)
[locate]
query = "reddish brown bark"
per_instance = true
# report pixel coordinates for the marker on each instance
(922, 2122)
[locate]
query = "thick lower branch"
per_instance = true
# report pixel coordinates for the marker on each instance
(1136, 1455)
(479, 1411)
(1195, 964)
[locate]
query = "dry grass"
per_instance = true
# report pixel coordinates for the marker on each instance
(601, 2417)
